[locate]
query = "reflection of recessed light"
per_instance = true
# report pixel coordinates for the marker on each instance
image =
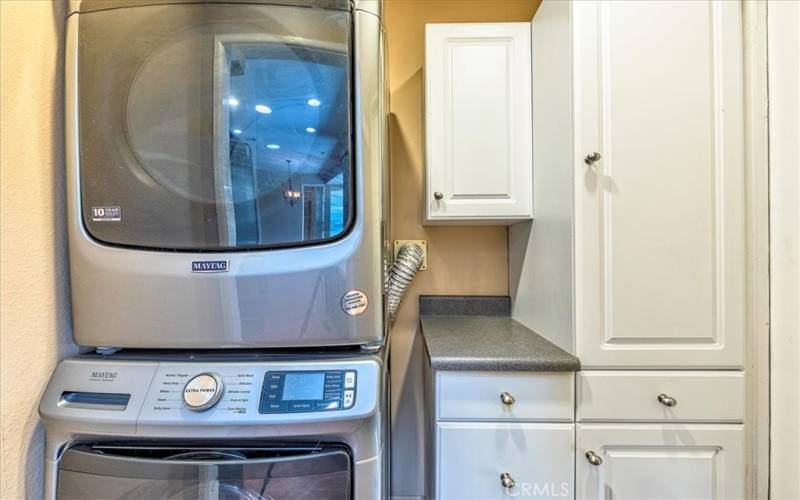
(273, 146)
(310, 130)
(263, 109)
(233, 102)
(237, 131)
(314, 102)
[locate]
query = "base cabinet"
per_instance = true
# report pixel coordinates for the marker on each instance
(660, 461)
(476, 458)
(500, 435)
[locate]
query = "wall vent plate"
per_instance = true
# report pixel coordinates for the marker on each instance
(398, 244)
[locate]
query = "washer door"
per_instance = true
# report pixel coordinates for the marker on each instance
(148, 472)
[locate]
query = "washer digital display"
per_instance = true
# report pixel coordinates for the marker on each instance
(303, 386)
(308, 391)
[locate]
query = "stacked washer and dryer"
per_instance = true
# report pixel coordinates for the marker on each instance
(227, 202)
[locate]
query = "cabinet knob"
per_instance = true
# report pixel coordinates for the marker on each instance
(438, 195)
(507, 399)
(506, 480)
(667, 400)
(593, 458)
(592, 158)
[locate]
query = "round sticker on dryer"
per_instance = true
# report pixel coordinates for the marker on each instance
(354, 302)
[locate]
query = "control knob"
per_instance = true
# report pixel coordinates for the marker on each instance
(203, 391)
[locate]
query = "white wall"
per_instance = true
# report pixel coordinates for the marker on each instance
(34, 296)
(783, 29)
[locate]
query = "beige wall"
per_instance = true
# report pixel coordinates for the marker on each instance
(34, 311)
(461, 260)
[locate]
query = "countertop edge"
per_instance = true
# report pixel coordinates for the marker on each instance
(500, 365)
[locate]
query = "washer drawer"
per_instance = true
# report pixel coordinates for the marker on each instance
(660, 396)
(473, 458)
(540, 396)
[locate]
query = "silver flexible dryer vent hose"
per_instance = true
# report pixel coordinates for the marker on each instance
(404, 268)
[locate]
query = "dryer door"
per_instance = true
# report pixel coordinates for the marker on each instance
(215, 126)
(173, 473)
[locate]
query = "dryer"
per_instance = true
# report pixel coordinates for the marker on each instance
(226, 173)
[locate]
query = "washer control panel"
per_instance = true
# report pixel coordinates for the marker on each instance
(203, 391)
(308, 391)
(174, 397)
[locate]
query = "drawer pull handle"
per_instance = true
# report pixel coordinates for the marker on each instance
(507, 481)
(593, 458)
(667, 400)
(507, 399)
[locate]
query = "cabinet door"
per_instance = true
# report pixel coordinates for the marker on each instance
(478, 122)
(659, 217)
(472, 457)
(664, 462)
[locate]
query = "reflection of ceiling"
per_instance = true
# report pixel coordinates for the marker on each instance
(284, 78)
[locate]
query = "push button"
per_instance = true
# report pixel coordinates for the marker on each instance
(300, 406)
(349, 380)
(274, 408)
(349, 398)
(326, 405)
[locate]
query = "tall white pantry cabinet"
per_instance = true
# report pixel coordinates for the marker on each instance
(636, 256)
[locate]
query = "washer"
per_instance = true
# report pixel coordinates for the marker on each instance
(217, 426)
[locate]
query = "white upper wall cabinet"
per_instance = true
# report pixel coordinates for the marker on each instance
(478, 123)
(659, 222)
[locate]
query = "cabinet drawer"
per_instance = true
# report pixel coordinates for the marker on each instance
(471, 457)
(635, 396)
(477, 396)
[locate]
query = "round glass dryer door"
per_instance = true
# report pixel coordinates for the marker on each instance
(215, 126)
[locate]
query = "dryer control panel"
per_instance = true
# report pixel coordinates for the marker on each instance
(308, 391)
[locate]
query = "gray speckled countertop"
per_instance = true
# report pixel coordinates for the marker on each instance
(477, 333)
